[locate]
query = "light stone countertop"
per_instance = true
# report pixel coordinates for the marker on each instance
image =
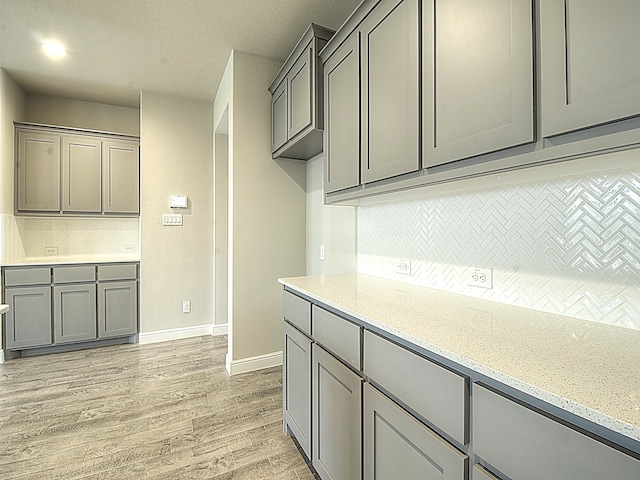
(71, 260)
(586, 368)
(3, 308)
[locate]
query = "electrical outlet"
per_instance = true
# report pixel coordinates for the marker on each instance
(186, 306)
(130, 248)
(480, 277)
(322, 253)
(50, 250)
(403, 266)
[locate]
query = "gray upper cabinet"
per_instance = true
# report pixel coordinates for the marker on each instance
(477, 77)
(342, 117)
(81, 174)
(390, 94)
(297, 119)
(121, 177)
(589, 63)
(38, 172)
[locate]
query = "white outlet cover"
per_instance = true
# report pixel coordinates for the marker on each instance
(403, 267)
(480, 277)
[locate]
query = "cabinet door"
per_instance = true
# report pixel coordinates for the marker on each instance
(342, 117)
(336, 414)
(74, 313)
(396, 445)
(81, 175)
(120, 177)
(279, 117)
(28, 321)
(38, 172)
(478, 77)
(390, 90)
(300, 92)
(590, 63)
(117, 309)
(297, 386)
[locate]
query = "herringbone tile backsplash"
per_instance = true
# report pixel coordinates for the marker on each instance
(568, 246)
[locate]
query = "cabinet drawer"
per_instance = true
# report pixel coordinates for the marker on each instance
(118, 272)
(513, 438)
(80, 273)
(480, 473)
(297, 311)
(27, 276)
(338, 335)
(437, 394)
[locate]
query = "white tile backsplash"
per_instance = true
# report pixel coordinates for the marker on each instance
(568, 246)
(11, 247)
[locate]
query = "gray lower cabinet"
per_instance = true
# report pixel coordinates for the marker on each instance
(74, 313)
(480, 473)
(526, 445)
(117, 308)
(396, 445)
(477, 86)
(336, 418)
(296, 389)
(28, 321)
(589, 63)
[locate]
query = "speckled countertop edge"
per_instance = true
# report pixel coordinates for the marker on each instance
(625, 420)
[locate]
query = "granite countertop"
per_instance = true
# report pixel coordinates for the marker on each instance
(71, 260)
(586, 368)
(3, 308)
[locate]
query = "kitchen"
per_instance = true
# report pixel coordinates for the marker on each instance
(383, 235)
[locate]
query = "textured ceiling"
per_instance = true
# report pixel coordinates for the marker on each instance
(116, 48)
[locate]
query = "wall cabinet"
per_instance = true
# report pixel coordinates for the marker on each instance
(60, 305)
(64, 171)
(477, 83)
(297, 119)
(589, 63)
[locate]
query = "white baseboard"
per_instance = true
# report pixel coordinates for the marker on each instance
(250, 364)
(1, 356)
(222, 329)
(175, 334)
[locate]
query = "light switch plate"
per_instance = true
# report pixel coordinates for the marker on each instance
(172, 219)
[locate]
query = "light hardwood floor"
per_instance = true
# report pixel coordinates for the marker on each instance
(166, 410)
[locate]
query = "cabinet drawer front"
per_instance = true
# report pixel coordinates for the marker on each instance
(27, 276)
(297, 311)
(338, 335)
(81, 273)
(514, 439)
(480, 473)
(435, 393)
(117, 272)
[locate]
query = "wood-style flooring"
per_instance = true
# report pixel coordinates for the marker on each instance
(166, 410)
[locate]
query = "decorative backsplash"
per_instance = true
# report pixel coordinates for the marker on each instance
(569, 246)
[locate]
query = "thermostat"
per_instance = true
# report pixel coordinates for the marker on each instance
(178, 201)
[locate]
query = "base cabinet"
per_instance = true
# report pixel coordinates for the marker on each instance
(28, 321)
(336, 407)
(117, 309)
(74, 308)
(396, 445)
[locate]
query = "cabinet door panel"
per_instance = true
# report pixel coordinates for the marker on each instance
(299, 89)
(28, 321)
(117, 309)
(38, 172)
(396, 445)
(121, 177)
(74, 313)
(81, 175)
(590, 63)
(478, 77)
(297, 386)
(342, 117)
(390, 90)
(279, 117)
(336, 410)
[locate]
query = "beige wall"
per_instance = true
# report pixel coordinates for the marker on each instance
(176, 263)
(79, 114)
(329, 225)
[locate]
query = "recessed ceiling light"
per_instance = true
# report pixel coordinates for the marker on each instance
(53, 49)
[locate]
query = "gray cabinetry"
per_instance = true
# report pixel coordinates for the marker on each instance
(339, 336)
(297, 117)
(38, 172)
(28, 321)
(120, 177)
(81, 174)
(589, 63)
(117, 300)
(74, 304)
(477, 86)
(342, 117)
(296, 389)
(336, 413)
(514, 438)
(390, 96)
(396, 445)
